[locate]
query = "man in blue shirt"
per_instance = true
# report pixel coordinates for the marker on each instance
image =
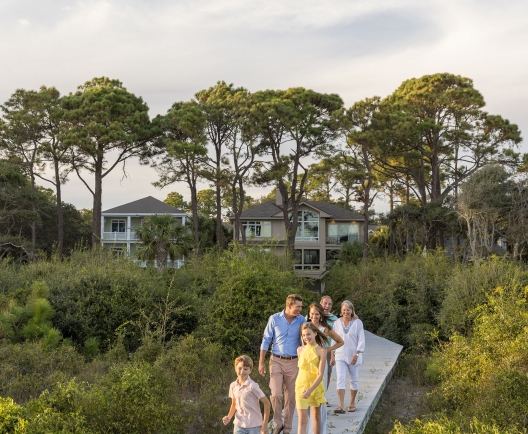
(284, 332)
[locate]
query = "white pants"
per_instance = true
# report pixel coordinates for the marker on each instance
(342, 368)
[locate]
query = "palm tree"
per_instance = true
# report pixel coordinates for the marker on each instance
(162, 237)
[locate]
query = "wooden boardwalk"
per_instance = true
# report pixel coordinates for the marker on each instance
(379, 360)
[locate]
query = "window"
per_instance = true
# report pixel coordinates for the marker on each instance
(307, 226)
(257, 229)
(342, 232)
(118, 225)
(306, 259)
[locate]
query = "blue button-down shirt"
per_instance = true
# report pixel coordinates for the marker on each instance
(285, 336)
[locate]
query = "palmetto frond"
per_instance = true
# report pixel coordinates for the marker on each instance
(162, 237)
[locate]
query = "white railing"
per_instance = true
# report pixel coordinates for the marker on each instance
(177, 263)
(120, 236)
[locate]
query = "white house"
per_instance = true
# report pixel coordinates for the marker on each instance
(118, 224)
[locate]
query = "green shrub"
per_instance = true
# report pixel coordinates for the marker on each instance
(27, 369)
(31, 321)
(452, 425)
(398, 300)
(252, 286)
(11, 417)
(58, 411)
(484, 374)
(200, 373)
(468, 288)
(133, 398)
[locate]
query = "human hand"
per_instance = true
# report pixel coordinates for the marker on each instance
(262, 369)
(306, 393)
(354, 359)
(226, 420)
(332, 360)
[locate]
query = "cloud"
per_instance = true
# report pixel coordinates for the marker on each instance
(166, 51)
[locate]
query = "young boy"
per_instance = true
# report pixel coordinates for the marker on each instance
(245, 395)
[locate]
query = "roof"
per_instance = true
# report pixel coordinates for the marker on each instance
(147, 205)
(269, 210)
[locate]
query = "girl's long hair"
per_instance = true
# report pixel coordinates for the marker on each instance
(320, 338)
(324, 316)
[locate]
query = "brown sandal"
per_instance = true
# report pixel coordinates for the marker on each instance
(339, 410)
(351, 408)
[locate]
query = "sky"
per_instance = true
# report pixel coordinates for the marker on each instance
(166, 51)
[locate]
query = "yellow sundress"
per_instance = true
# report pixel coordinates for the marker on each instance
(308, 370)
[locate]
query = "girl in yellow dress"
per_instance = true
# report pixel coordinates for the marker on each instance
(309, 389)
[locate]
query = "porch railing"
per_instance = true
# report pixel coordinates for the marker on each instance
(336, 239)
(120, 236)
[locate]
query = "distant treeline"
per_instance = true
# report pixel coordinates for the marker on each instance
(419, 147)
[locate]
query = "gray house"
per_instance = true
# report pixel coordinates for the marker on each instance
(321, 230)
(118, 224)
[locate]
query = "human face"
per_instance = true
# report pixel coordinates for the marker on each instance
(315, 316)
(294, 309)
(308, 336)
(346, 312)
(242, 372)
(327, 304)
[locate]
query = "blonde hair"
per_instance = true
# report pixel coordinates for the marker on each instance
(320, 338)
(292, 298)
(246, 361)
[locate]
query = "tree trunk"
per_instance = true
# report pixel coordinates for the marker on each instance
(60, 217)
(97, 204)
(194, 208)
(219, 229)
(33, 223)
(236, 214)
(240, 209)
(290, 227)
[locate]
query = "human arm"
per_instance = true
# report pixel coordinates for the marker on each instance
(265, 417)
(231, 413)
(321, 352)
(361, 342)
(267, 338)
(336, 340)
(262, 362)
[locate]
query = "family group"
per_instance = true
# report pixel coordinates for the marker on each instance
(303, 352)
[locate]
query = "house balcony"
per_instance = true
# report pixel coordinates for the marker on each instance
(336, 239)
(120, 236)
(312, 267)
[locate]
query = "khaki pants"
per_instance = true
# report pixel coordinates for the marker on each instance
(283, 373)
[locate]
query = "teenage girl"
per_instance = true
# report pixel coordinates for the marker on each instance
(318, 317)
(309, 389)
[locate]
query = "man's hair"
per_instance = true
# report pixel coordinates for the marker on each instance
(246, 361)
(326, 296)
(292, 298)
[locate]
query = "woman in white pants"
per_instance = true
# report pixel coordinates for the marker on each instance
(349, 356)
